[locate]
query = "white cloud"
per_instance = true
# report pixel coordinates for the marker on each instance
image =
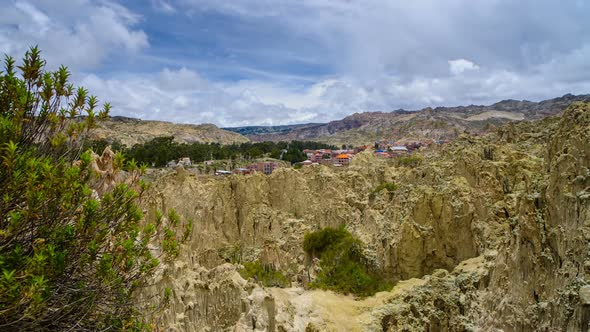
(414, 38)
(307, 60)
(81, 34)
(181, 80)
(459, 66)
(163, 6)
(184, 96)
(180, 102)
(152, 97)
(40, 19)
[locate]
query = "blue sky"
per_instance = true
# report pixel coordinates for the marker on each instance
(268, 62)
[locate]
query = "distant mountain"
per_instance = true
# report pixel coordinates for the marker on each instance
(356, 129)
(264, 130)
(428, 123)
(130, 131)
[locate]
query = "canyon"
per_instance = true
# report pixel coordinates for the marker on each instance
(485, 233)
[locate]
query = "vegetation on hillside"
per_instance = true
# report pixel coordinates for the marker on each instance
(161, 150)
(390, 187)
(264, 274)
(68, 258)
(344, 268)
(409, 161)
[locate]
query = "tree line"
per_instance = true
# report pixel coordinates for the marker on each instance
(160, 150)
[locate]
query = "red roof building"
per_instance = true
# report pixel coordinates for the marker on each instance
(342, 159)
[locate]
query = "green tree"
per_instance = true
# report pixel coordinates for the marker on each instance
(345, 268)
(294, 155)
(68, 258)
(159, 151)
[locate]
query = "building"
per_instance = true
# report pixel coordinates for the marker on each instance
(416, 145)
(328, 156)
(186, 161)
(266, 167)
(399, 149)
(242, 171)
(382, 154)
(342, 159)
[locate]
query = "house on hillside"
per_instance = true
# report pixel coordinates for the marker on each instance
(185, 161)
(382, 154)
(266, 167)
(242, 171)
(342, 159)
(416, 145)
(400, 149)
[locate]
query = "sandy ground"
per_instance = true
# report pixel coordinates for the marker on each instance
(339, 312)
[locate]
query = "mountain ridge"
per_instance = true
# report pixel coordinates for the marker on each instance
(439, 123)
(130, 131)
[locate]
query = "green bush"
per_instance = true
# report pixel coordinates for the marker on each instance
(232, 254)
(389, 186)
(410, 161)
(68, 261)
(344, 268)
(266, 275)
(317, 242)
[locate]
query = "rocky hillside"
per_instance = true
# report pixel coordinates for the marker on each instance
(438, 123)
(483, 234)
(131, 131)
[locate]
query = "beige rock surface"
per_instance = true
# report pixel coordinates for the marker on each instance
(477, 241)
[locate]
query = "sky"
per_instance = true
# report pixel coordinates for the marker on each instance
(272, 62)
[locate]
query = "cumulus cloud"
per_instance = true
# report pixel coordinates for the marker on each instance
(181, 80)
(365, 38)
(151, 96)
(40, 20)
(459, 66)
(81, 34)
(278, 62)
(264, 103)
(180, 102)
